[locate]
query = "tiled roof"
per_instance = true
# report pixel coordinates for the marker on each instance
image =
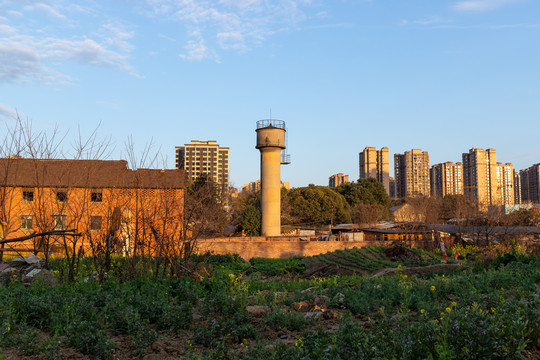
(84, 173)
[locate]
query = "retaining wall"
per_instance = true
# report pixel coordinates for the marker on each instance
(287, 246)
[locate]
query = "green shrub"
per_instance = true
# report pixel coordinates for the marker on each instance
(286, 320)
(88, 337)
(176, 317)
(142, 337)
(121, 317)
(234, 328)
(278, 267)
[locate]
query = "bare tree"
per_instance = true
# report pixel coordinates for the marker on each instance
(368, 213)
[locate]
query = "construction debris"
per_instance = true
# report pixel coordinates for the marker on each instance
(26, 269)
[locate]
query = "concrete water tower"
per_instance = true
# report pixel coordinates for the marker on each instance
(270, 142)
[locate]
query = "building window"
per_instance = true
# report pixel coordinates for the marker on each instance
(95, 222)
(96, 196)
(60, 222)
(28, 195)
(61, 195)
(26, 222)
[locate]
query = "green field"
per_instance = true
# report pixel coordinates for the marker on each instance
(270, 309)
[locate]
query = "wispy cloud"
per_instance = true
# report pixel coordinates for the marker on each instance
(490, 26)
(7, 112)
(481, 5)
(235, 25)
(196, 50)
(45, 9)
(39, 36)
(28, 54)
(432, 20)
(6, 29)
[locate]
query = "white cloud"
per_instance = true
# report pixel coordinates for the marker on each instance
(6, 29)
(491, 27)
(18, 62)
(116, 36)
(29, 50)
(234, 25)
(7, 112)
(481, 5)
(23, 58)
(46, 9)
(432, 20)
(196, 50)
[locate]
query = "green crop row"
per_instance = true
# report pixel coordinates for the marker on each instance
(478, 312)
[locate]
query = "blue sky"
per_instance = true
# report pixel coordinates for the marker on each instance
(443, 76)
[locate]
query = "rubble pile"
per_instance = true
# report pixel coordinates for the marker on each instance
(398, 253)
(26, 269)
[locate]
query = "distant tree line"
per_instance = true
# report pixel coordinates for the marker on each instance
(366, 202)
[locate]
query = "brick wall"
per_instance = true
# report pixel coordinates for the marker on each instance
(285, 247)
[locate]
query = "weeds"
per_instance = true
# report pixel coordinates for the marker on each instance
(481, 312)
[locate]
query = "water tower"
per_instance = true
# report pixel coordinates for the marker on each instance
(270, 142)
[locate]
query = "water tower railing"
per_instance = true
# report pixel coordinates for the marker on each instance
(285, 158)
(261, 124)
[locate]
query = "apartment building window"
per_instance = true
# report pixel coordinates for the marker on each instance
(95, 222)
(28, 195)
(26, 222)
(96, 196)
(61, 195)
(60, 222)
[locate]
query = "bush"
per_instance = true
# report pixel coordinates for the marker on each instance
(225, 330)
(292, 321)
(142, 337)
(176, 317)
(278, 267)
(88, 337)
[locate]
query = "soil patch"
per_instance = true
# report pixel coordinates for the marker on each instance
(401, 254)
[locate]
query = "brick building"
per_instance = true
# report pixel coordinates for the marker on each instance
(92, 196)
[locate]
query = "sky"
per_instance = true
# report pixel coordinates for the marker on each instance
(442, 76)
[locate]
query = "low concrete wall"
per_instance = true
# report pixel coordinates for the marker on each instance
(285, 246)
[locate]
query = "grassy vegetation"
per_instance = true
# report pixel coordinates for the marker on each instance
(483, 311)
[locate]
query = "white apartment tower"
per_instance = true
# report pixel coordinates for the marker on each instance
(204, 158)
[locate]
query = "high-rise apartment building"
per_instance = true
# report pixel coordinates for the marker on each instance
(204, 158)
(412, 173)
(375, 164)
(480, 176)
(252, 186)
(446, 179)
(505, 183)
(530, 184)
(337, 179)
(392, 187)
(517, 187)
